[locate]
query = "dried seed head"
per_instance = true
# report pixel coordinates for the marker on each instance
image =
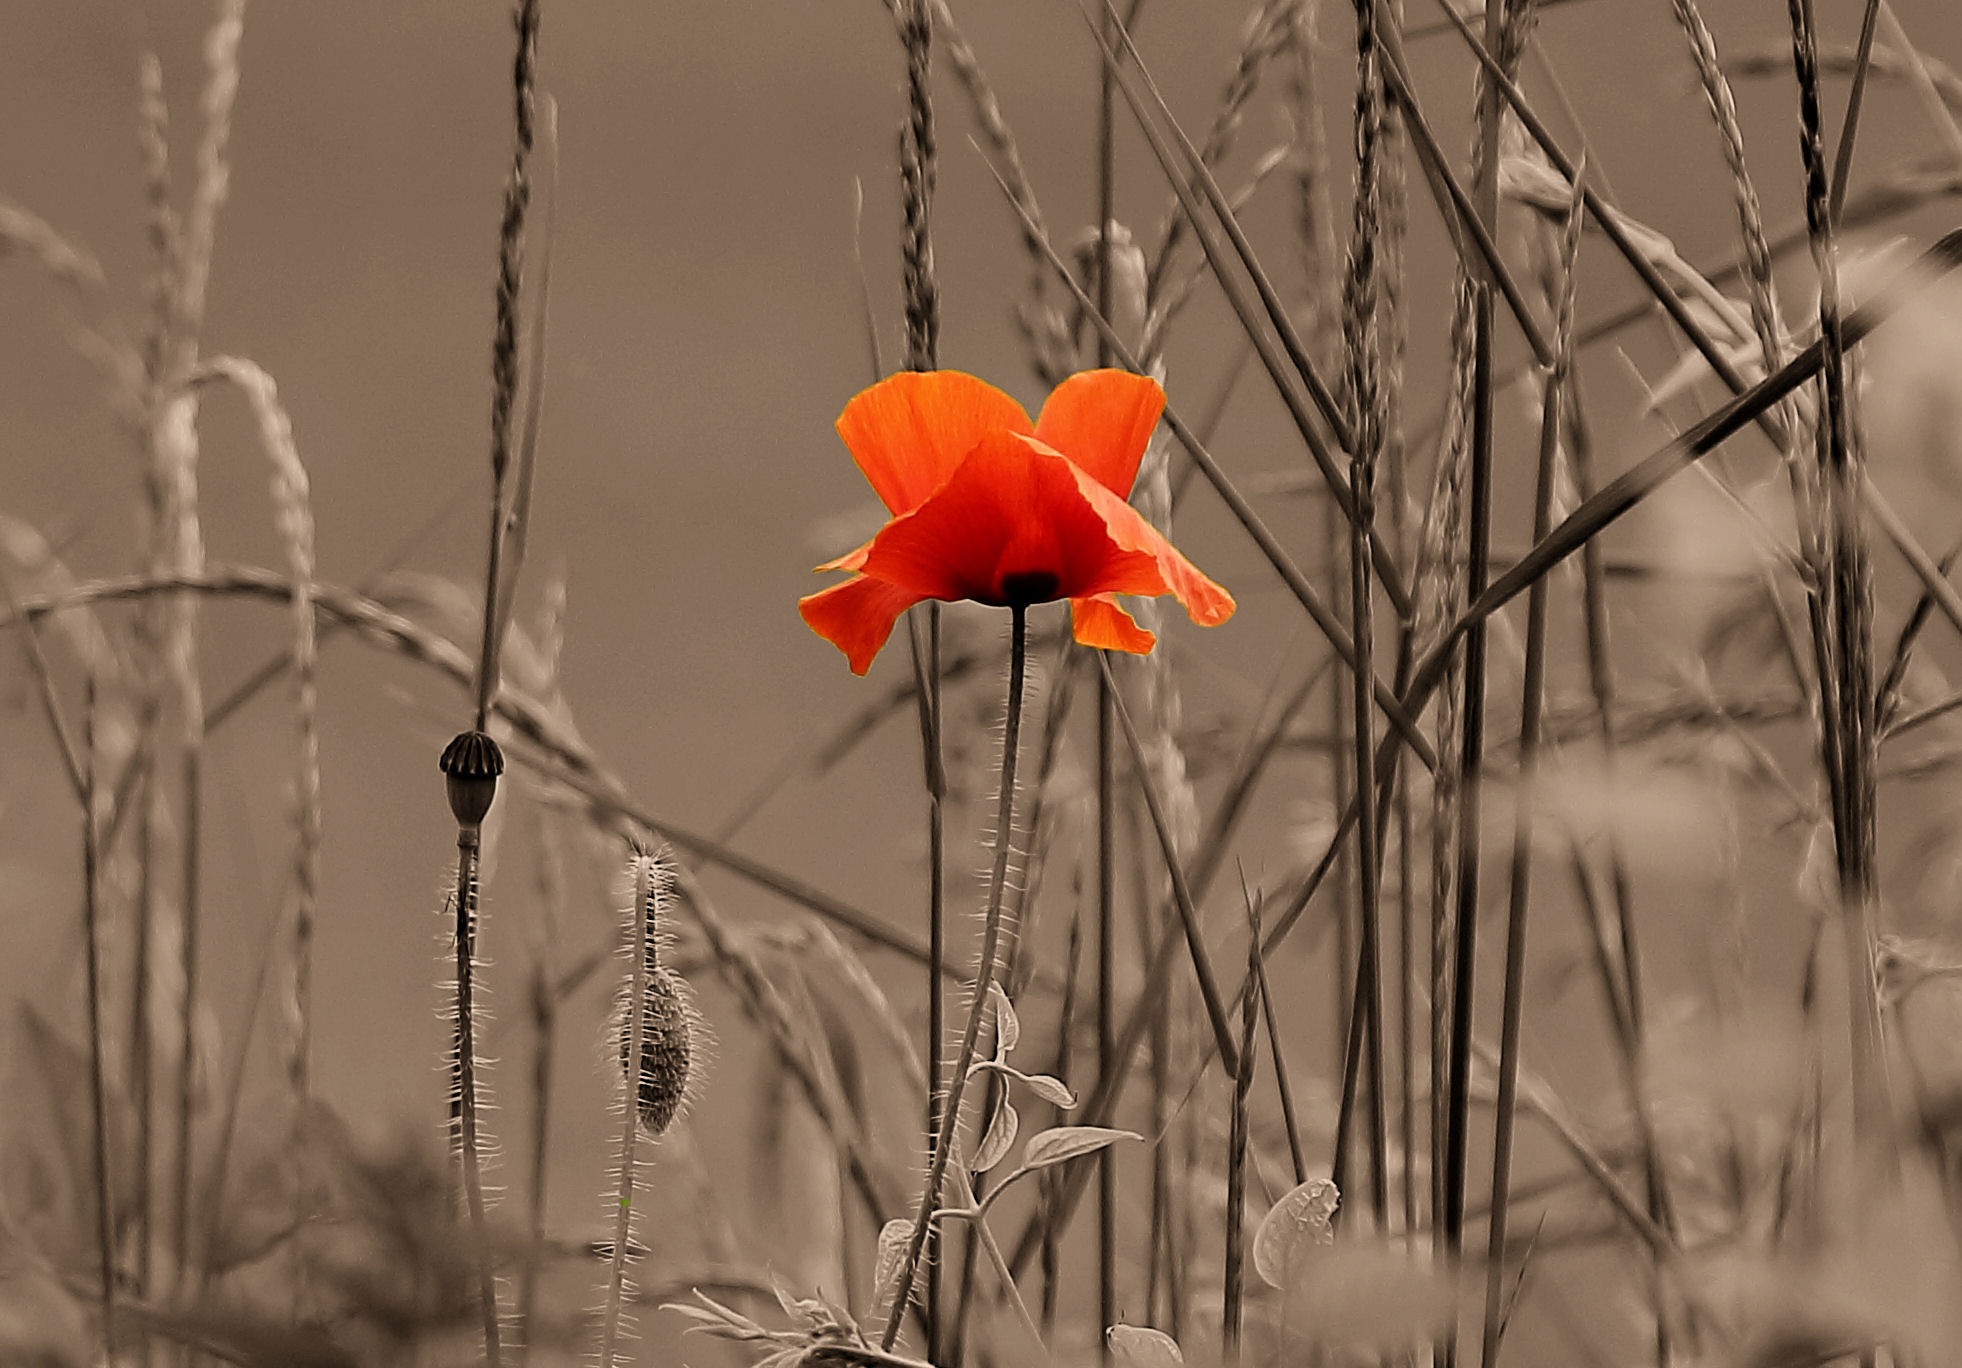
(471, 764)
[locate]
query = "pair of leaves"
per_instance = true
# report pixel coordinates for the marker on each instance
(1005, 1123)
(1045, 1150)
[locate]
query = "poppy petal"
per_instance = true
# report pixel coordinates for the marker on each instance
(851, 560)
(1097, 621)
(1103, 420)
(857, 616)
(1206, 602)
(1013, 524)
(910, 432)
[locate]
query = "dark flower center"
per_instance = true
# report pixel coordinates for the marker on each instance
(1029, 586)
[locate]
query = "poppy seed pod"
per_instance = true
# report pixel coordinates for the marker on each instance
(471, 764)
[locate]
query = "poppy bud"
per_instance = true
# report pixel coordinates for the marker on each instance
(670, 1025)
(471, 764)
(666, 1050)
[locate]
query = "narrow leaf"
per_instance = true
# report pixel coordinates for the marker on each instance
(1002, 1129)
(1061, 1144)
(1008, 1027)
(1051, 1090)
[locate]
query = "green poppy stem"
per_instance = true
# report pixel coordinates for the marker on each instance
(984, 974)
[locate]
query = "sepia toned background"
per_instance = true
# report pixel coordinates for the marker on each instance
(705, 328)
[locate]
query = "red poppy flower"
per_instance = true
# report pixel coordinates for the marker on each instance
(989, 507)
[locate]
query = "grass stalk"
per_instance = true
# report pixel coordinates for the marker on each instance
(1233, 1279)
(765, 1003)
(1359, 309)
(105, 1206)
(1296, 368)
(1298, 584)
(918, 172)
(1519, 893)
(1106, 795)
(544, 1043)
(1061, 1070)
(1182, 895)
(504, 341)
(1105, 1002)
(1849, 129)
(557, 751)
(1850, 596)
(1283, 1089)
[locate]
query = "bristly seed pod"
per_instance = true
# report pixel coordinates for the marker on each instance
(667, 1037)
(470, 765)
(668, 1020)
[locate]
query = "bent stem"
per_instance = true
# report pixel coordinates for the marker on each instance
(984, 973)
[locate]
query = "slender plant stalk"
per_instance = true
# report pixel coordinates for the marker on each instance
(623, 1215)
(1290, 372)
(1472, 752)
(984, 974)
(504, 342)
(1182, 894)
(1849, 128)
(562, 754)
(1060, 1069)
(105, 1206)
(918, 172)
(465, 1139)
(1531, 704)
(181, 264)
(1107, 800)
(544, 1018)
(1298, 583)
(1617, 951)
(1366, 423)
(1106, 1001)
(544, 1041)
(927, 666)
(1850, 701)
(1160, 1245)
(1284, 1091)
(1234, 1277)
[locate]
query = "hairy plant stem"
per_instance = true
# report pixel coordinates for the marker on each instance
(463, 1082)
(623, 1215)
(984, 974)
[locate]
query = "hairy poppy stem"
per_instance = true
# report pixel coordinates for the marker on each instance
(464, 1136)
(984, 974)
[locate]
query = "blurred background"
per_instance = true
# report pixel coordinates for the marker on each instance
(706, 325)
